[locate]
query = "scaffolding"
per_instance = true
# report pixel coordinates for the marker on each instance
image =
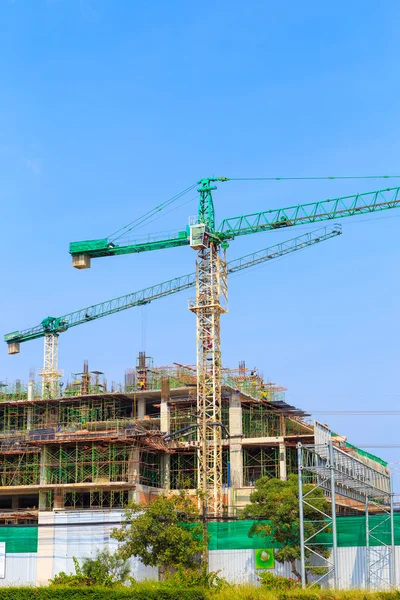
(341, 475)
(78, 500)
(261, 420)
(260, 462)
(20, 468)
(183, 470)
(71, 415)
(145, 376)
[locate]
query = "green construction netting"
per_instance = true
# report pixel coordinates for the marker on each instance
(363, 452)
(233, 535)
(19, 539)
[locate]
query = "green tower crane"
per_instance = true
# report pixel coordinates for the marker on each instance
(212, 291)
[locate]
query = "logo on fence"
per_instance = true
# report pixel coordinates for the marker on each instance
(264, 558)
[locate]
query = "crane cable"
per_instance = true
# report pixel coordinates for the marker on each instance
(142, 219)
(313, 178)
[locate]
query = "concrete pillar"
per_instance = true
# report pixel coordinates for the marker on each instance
(43, 465)
(282, 461)
(14, 503)
(43, 499)
(58, 499)
(29, 411)
(31, 390)
(235, 442)
(165, 409)
(165, 420)
(141, 407)
(133, 471)
(45, 553)
(165, 471)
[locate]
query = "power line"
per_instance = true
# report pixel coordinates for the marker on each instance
(362, 446)
(323, 178)
(364, 413)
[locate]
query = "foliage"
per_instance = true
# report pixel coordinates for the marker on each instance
(164, 591)
(162, 534)
(106, 569)
(250, 592)
(140, 591)
(278, 502)
(199, 578)
(274, 582)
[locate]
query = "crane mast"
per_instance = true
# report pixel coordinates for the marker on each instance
(211, 287)
(50, 373)
(211, 301)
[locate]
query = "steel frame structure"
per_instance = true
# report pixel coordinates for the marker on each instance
(340, 474)
(50, 373)
(211, 290)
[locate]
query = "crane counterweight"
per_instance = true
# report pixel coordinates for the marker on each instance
(81, 261)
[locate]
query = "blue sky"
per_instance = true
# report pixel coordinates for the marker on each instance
(110, 107)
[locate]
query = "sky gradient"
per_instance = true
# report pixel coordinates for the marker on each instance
(109, 107)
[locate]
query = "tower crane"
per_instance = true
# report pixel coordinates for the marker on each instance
(51, 327)
(212, 291)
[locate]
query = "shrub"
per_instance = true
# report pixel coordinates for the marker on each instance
(105, 569)
(275, 582)
(141, 591)
(199, 578)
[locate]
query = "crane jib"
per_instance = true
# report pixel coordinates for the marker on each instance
(283, 218)
(52, 325)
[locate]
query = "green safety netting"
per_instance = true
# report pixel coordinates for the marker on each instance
(19, 539)
(233, 535)
(363, 452)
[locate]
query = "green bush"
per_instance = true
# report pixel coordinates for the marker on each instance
(141, 591)
(274, 582)
(198, 578)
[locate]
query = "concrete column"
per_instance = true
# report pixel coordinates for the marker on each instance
(235, 444)
(31, 390)
(45, 553)
(58, 499)
(141, 407)
(282, 461)
(43, 478)
(43, 465)
(165, 471)
(29, 418)
(165, 420)
(165, 409)
(14, 503)
(43, 501)
(133, 471)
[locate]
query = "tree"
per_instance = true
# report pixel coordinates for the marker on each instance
(278, 502)
(166, 533)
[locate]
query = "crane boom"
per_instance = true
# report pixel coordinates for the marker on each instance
(301, 214)
(57, 325)
(313, 212)
(105, 247)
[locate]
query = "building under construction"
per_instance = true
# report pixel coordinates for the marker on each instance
(97, 446)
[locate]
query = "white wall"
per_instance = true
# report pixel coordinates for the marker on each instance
(64, 534)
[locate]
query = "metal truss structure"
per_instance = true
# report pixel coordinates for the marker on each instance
(350, 481)
(50, 373)
(210, 292)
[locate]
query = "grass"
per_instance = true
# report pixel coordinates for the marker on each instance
(249, 592)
